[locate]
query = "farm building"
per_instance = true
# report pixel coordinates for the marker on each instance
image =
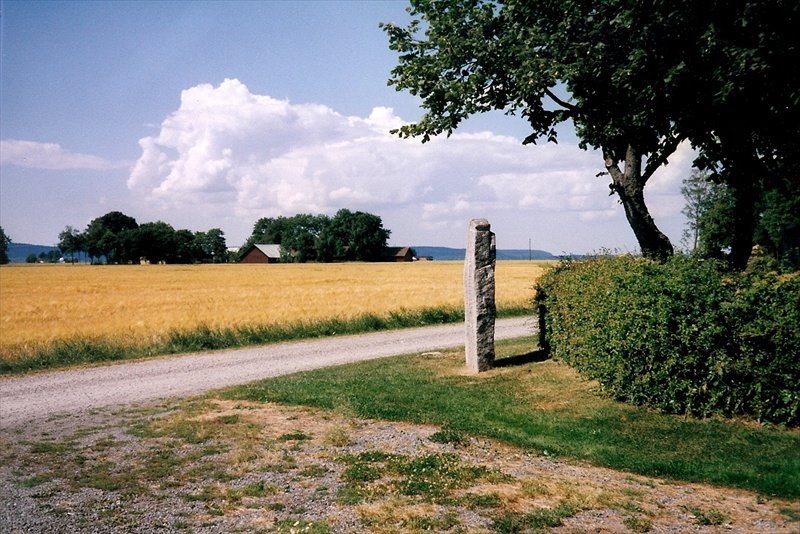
(397, 254)
(262, 254)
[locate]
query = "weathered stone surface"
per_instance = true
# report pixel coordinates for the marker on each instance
(479, 305)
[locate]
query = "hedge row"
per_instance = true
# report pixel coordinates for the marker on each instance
(682, 337)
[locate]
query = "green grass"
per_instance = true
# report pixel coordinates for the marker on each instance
(546, 408)
(66, 353)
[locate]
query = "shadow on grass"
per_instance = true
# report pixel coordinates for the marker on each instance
(522, 359)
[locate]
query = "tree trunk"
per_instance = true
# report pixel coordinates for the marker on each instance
(629, 185)
(744, 223)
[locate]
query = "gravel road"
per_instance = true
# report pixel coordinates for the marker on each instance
(34, 397)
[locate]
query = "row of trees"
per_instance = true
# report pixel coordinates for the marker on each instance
(120, 239)
(347, 235)
(640, 78)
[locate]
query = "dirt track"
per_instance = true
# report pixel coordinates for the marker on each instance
(34, 397)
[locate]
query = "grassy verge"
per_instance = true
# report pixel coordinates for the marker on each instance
(546, 408)
(66, 353)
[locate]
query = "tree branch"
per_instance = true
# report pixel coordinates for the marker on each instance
(562, 103)
(654, 163)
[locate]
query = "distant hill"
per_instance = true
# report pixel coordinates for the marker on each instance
(445, 253)
(18, 252)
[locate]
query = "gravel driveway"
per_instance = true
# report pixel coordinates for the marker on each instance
(39, 396)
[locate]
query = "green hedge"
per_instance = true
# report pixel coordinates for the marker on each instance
(683, 337)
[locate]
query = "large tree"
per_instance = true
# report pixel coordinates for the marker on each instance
(71, 241)
(740, 106)
(351, 235)
(213, 246)
(634, 73)
(268, 231)
(108, 236)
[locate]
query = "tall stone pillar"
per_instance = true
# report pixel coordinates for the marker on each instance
(479, 306)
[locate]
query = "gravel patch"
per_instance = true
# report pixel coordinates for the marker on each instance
(209, 465)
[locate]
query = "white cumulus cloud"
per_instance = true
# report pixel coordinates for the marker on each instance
(51, 156)
(229, 150)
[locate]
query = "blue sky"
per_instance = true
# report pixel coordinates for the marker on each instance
(214, 114)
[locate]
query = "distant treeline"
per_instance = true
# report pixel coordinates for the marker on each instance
(118, 238)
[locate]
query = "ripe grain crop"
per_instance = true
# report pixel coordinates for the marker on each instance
(140, 304)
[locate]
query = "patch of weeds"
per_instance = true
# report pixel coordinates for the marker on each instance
(630, 492)
(35, 480)
(259, 489)
(638, 523)
(301, 526)
(369, 456)
(537, 520)
(286, 463)
(352, 494)
(361, 472)
(160, 464)
(707, 518)
(430, 478)
(209, 470)
(206, 494)
(104, 476)
(534, 488)
(321, 492)
(275, 506)
(440, 523)
(451, 436)
(433, 476)
(103, 444)
(210, 450)
(314, 471)
(297, 435)
(51, 447)
(214, 510)
(473, 500)
(791, 514)
(228, 419)
(180, 524)
(631, 506)
(337, 436)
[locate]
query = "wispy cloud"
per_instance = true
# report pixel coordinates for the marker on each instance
(51, 156)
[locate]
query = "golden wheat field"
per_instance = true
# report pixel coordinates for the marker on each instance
(138, 303)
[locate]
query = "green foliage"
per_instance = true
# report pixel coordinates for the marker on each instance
(71, 241)
(683, 337)
(710, 210)
(4, 242)
(539, 520)
(451, 436)
(303, 237)
(715, 75)
(120, 239)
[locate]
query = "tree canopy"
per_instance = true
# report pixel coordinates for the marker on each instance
(120, 239)
(304, 237)
(640, 77)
